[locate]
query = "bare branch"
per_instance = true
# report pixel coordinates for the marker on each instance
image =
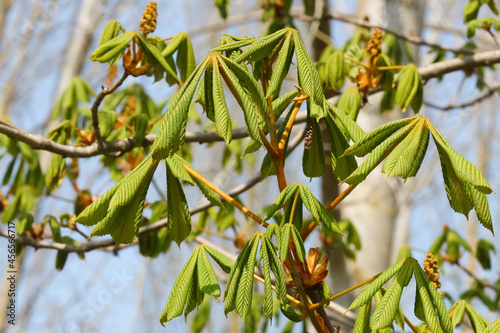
(488, 94)
(365, 24)
(95, 108)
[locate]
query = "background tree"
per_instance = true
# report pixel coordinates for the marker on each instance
(33, 188)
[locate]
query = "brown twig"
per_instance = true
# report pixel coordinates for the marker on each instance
(365, 24)
(95, 108)
(472, 275)
(488, 94)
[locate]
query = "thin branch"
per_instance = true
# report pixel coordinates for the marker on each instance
(122, 146)
(365, 24)
(472, 275)
(95, 108)
(225, 196)
(488, 94)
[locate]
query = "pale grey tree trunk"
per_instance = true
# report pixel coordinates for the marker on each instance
(373, 206)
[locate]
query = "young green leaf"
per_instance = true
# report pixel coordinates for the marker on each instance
(336, 70)
(222, 117)
(179, 218)
(387, 310)
(110, 31)
(282, 199)
(178, 296)
(223, 261)
(281, 67)
(125, 206)
(112, 50)
(371, 289)
(141, 126)
(405, 160)
(309, 80)
(410, 88)
(318, 211)
(170, 136)
(350, 102)
(107, 120)
(263, 47)
(362, 324)
(206, 275)
(153, 54)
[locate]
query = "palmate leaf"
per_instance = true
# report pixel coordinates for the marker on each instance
(371, 289)
(374, 138)
(407, 157)
(110, 31)
(465, 185)
(350, 127)
(239, 287)
(119, 211)
(196, 279)
(342, 166)
(170, 136)
(123, 208)
(383, 149)
(428, 304)
(434, 310)
(318, 211)
(387, 310)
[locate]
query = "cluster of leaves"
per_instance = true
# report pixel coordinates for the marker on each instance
(429, 306)
(403, 144)
(471, 11)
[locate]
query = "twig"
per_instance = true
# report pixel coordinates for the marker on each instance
(413, 327)
(472, 275)
(319, 304)
(490, 92)
(364, 24)
(95, 108)
(225, 196)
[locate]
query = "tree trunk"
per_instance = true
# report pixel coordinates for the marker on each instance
(373, 206)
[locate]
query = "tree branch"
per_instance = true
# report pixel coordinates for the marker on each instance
(488, 94)
(109, 244)
(95, 109)
(365, 24)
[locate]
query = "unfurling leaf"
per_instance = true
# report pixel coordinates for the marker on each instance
(119, 211)
(110, 31)
(239, 286)
(350, 102)
(112, 50)
(410, 89)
